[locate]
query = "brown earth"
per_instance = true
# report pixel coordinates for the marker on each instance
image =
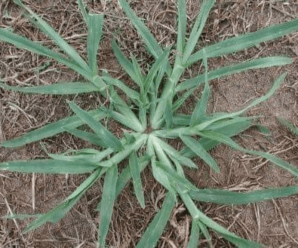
(273, 223)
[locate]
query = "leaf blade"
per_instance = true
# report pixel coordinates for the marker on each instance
(107, 137)
(198, 149)
(136, 178)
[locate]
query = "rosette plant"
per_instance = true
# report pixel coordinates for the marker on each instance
(151, 118)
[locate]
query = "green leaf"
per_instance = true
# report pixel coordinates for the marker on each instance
(255, 102)
(206, 233)
(197, 28)
(181, 99)
(201, 106)
(107, 203)
(24, 43)
(83, 10)
(49, 31)
(59, 212)
(93, 157)
(199, 150)
(125, 175)
(244, 41)
(49, 166)
(232, 69)
(172, 152)
(228, 141)
(151, 43)
(158, 224)
(157, 172)
(194, 235)
(134, 166)
(21, 216)
(60, 88)
(95, 23)
(182, 19)
(288, 125)
(119, 84)
(83, 135)
(228, 130)
(228, 197)
(169, 115)
(125, 63)
(51, 129)
(199, 216)
(176, 178)
(158, 64)
(105, 135)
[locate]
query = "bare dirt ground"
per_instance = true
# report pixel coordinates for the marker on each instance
(273, 223)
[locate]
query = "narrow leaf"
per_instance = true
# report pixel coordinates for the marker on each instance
(228, 197)
(158, 224)
(61, 88)
(24, 43)
(134, 166)
(83, 10)
(198, 149)
(151, 43)
(125, 63)
(49, 166)
(197, 28)
(182, 19)
(200, 110)
(288, 125)
(119, 84)
(83, 135)
(59, 212)
(233, 69)
(228, 141)
(51, 129)
(95, 23)
(49, 31)
(107, 204)
(255, 102)
(107, 137)
(244, 41)
(194, 235)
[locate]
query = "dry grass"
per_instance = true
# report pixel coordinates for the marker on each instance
(273, 223)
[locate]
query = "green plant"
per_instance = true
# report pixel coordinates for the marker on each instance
(152, 119)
